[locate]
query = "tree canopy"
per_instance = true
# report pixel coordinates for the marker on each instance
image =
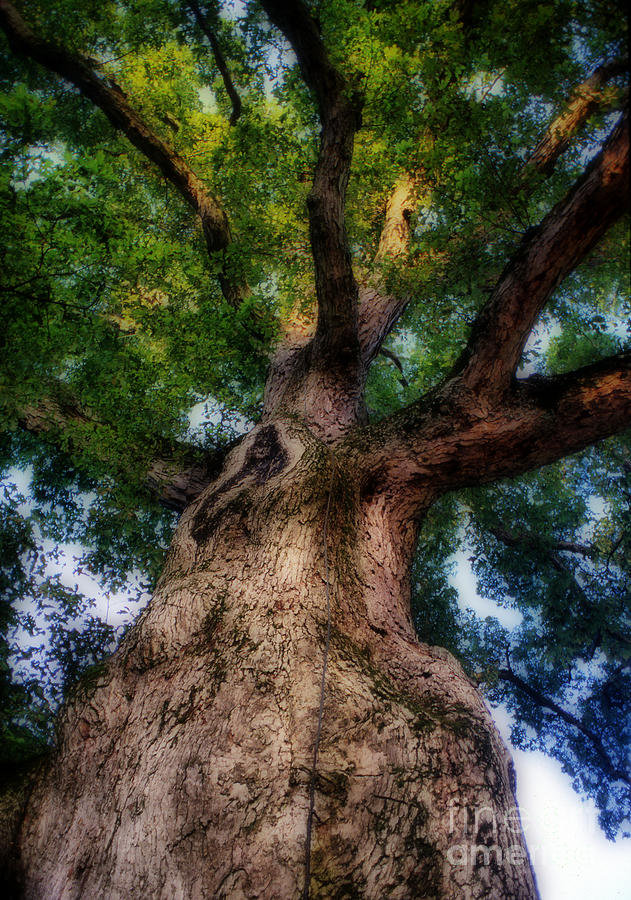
(167, 216)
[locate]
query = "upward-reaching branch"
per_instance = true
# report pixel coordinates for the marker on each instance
(106, 94)
(586, 99)
(379, 310)
(451, 439)
(224, 71)
(336, 332)
(545, 256)
(481, 423)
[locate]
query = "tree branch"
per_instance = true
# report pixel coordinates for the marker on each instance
(533, 541)
(395, 234)
(106, 94)
(541, 700)
(545, 256)
(480, 424)
(336, 331)
(379, 311)
(175, 485)
(175, 476)
(220, 59)
(453, 438)
(555, 416)
(395, 359)
(587, 98)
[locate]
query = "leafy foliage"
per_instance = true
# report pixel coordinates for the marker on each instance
(556, 547)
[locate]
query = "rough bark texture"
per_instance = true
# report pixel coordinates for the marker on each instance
(336, 343)
(547, 254)
(587, 98)
(184, 765)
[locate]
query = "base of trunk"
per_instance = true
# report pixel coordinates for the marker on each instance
(192, 781)
(184, 766)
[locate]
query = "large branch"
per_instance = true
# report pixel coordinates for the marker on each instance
(105, 94)
(379, 309)
(336, 331)
(587, 98)
(545, 256)
(453, 438)
(176, 475)
(534, 542)
(563, 414)
(220, 59)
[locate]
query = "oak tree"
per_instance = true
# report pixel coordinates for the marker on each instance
(385, 244)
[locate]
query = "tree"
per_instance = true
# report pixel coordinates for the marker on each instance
(342, 222)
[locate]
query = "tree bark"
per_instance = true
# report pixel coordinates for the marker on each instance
(587, 98)
(335, 343)
(184, 764)
(545, 256)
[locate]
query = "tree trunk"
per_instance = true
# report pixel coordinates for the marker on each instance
(184, 766)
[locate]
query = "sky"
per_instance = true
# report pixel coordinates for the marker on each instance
(572, 858)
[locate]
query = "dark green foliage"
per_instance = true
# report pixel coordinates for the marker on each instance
(435, 600)
(23, 712)
(58, 545)
(568, 573)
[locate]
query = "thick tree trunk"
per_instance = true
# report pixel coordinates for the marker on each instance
(184, 767)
